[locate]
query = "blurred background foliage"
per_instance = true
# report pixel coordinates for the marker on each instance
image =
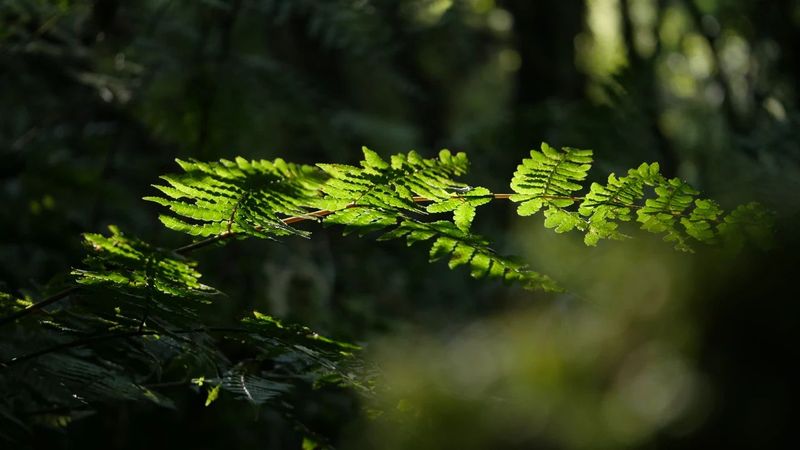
(647, 350)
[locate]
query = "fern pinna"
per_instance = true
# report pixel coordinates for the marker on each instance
(132, 317)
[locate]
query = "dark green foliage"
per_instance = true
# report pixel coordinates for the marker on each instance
(132, 321)
(335, 23)
(281, 357)
(660, 214)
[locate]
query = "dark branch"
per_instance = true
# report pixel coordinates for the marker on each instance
(39, 305)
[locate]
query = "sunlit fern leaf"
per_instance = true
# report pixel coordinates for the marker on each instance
(392, 185)
(463, 206)
(241, 196)
(661, 214)
(141, 280)
(562, 221)
(362, 220)
(616, 201)
(701, 223)
(548, 178)
(462, 248)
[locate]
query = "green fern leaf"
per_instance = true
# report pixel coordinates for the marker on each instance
(144, 280)
(240, 196)
(392, 186)
(549, 177)
(463, 206)
(616, 201)
(461, 248)
(660, 214)
(561, 220)
(700, 223)
(362, 220)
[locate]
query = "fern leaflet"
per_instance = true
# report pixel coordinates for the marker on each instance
(237, 197)
(468, 249)
(614, 202)
(549, 177)
(141, 280)
(392, 185)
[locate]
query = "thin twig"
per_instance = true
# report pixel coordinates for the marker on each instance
(39, 305)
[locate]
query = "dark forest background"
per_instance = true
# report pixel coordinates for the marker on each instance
(649, 349)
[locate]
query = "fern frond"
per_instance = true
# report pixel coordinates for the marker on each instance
(701, 221)
(462, 248)
(463, 206)
(134, 316)
(142, 280)
(662, 213)
(604, 205)
(382, 194)
(548, 178)
(362, 220)
(240, 197)
(392, 185)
